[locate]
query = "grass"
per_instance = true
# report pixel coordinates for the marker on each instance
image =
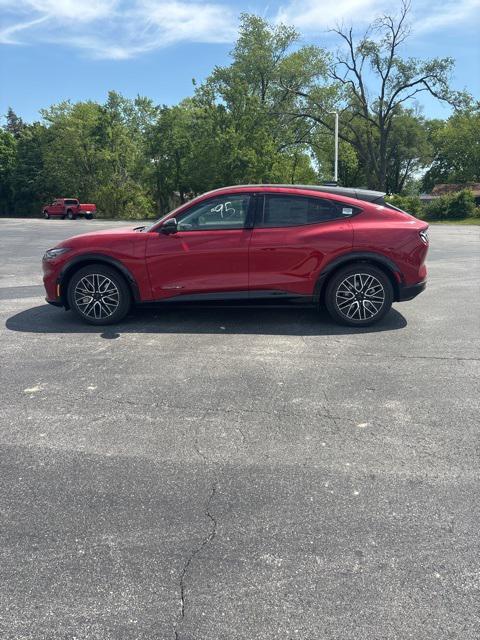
(467, 221)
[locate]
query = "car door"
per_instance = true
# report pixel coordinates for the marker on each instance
(293, 238)
(59, 208)
(209, 252)
(53, 209)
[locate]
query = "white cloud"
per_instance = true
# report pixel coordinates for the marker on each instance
(116, 29)
(119, 29)
(449, 14)
(314, 16)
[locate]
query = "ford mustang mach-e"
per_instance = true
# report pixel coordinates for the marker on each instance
(346, 249)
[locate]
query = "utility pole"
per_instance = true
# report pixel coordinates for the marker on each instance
(335, 172)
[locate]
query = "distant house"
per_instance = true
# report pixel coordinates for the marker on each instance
(444, 189)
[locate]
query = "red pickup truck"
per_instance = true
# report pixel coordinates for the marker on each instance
(69, 208)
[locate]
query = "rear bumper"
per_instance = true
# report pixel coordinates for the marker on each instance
(411, 291)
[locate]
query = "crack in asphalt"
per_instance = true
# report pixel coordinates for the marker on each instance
(205, 541)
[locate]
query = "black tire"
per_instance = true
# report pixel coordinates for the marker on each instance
(95, 279)
(88, 216)
(359, 295)
(46, 215)
(63, 217)
(70, 215)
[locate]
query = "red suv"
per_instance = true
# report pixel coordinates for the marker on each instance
(344, 248)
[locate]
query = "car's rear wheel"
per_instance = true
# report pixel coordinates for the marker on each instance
(359, 295)
(46, 215)
(99, 295)
(88, 216)
(70, 215)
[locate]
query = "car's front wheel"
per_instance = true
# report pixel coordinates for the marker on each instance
(359, 295)
(99, 295)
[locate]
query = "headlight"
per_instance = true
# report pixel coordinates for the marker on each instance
(51, 254)
(424, 236)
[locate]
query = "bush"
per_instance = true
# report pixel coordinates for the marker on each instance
(410, 204)
(452, 206)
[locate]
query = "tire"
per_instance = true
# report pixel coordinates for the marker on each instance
(63, 217)
(70, 215)
(88, 216)
(359, 295)
(96, 279)
(46, 215)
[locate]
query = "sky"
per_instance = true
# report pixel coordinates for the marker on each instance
(54, 50)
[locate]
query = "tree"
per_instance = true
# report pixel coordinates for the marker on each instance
(246, 101)
(28, 180)
(8, 161)
(457, 148)
(71, 150)
(15, 125)
(373, 82)
(168, 152)
(96, 152)
(408, 150)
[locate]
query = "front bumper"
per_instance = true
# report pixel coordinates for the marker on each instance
(51, 283)
(55, 303)
(411, 291)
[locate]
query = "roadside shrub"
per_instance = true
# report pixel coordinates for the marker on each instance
(452, 206)
(410, 204)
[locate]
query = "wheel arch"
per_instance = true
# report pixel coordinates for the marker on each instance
(79, 262)
(390, 269)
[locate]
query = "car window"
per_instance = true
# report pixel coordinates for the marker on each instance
(71, 201)
(226, 212)
(291, 211)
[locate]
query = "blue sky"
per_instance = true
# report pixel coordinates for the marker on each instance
(52, 50)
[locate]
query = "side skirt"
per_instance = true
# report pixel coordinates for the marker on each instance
(235, 298)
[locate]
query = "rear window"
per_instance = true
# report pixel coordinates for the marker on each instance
(71, 201)
(292, 211)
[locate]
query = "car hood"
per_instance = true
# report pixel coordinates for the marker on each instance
(128, 233)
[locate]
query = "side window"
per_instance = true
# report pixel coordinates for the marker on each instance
(225, 212)
(292, 211)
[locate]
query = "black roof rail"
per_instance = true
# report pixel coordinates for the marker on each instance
(377, 197)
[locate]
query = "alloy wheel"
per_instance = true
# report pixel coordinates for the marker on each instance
(96, 296)
(360, 296)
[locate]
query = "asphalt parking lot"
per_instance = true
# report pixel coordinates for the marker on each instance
(209, 474)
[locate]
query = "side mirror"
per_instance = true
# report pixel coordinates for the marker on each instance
(169, 226)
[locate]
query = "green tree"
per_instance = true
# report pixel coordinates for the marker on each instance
(168, 155)
(28, 179)
(457, 149)
(242, 108)
(8, 161)
(372, 84)
(408, 151)
(15, 125)
(71, 150)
